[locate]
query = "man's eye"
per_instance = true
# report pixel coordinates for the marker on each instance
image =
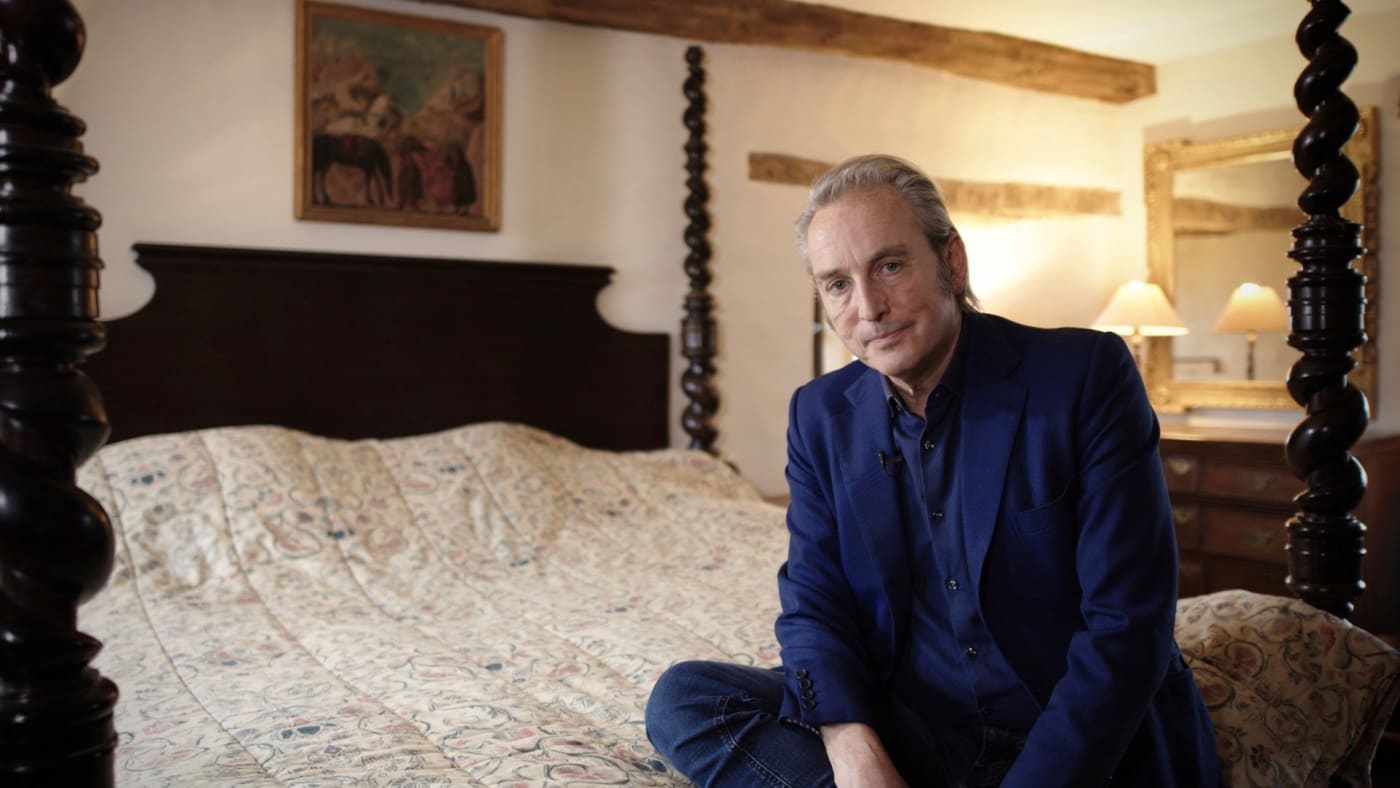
(890, 266)
(836, 285)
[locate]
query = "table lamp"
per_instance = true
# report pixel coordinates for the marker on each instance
(1140, 309)
(1253, 308)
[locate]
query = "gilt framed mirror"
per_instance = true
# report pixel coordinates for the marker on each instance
(1220, 215)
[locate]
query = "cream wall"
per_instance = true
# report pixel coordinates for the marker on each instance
(1250, 88)
(189, 106)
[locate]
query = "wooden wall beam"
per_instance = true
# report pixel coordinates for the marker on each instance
(1007, 60)
(1195, 216)
(996, 200)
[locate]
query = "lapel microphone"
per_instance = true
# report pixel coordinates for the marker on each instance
(890, 463)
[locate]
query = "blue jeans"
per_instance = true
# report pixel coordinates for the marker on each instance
(717, 723)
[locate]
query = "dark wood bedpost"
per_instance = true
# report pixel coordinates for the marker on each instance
(55, 541)
(1326, 301)
(698, 326)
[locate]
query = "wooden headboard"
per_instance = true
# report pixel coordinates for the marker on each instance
(355, 346)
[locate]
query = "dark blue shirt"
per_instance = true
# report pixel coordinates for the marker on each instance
(950, 671)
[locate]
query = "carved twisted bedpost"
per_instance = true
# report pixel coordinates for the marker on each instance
(698, 326)
(55, 541)
(1327, 302)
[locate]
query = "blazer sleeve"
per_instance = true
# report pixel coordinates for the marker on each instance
(1126, 562)
(824, 659)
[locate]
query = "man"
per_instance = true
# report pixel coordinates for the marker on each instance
(981, 579)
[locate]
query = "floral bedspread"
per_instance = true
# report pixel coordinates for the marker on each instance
(488, 605)
(491, 605)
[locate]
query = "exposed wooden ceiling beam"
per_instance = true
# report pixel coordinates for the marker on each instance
(993, 57)
(995, 200)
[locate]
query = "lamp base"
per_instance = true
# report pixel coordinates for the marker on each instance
(1249, 357)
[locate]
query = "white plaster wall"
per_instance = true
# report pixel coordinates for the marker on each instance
(190, 111)
(1250, 88)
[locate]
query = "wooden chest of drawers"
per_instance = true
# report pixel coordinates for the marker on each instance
(1231, 495)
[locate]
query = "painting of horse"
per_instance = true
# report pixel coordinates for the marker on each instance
(351, 150)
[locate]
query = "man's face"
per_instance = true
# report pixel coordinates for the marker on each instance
(878, 279)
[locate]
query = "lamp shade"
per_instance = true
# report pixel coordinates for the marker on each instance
(1253, 308)
(1140, 308)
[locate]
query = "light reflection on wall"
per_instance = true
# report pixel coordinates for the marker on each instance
(1048, 272)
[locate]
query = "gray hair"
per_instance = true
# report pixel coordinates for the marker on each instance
(874, 170)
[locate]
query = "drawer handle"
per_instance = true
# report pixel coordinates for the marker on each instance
(1257, 538)
(1184, 515)
(1180, 466)
(1257, 481)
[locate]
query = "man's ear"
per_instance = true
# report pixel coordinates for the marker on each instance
(955, 257)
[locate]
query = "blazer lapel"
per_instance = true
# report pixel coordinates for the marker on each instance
(991, 417)
(874, 493)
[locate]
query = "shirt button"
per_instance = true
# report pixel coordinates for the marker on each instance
(928, 445)
(952, 585)
(971, 652)
(935, 514)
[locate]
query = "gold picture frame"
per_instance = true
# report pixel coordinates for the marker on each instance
(398, 119)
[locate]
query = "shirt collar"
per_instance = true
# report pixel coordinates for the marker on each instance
(951, 382)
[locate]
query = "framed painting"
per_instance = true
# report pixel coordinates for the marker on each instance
(398, 119)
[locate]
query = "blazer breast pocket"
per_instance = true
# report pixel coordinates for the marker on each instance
(1059, 512)
(1033, 555)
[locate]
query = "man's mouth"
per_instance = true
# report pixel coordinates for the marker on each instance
(885, 338)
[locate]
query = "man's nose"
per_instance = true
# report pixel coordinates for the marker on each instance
(870, 302)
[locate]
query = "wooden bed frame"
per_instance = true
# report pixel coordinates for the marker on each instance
(231, 335)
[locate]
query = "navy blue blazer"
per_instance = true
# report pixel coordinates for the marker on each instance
(1069, 543)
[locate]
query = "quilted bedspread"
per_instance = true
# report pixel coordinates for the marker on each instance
(488, 605)
(491, 605)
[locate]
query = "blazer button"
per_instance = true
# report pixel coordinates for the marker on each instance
(804, 683)
(809, 704)
(971, 652)
(802, 673)
(808, 695)
(952, 585)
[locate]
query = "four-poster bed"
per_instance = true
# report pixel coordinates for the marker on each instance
(467, 598)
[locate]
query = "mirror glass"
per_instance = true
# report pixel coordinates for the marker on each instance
(1231, 227)
(1220, 215)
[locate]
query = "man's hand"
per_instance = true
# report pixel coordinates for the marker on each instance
(858, 759)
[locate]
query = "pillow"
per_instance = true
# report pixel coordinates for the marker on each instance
(1296, 694)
